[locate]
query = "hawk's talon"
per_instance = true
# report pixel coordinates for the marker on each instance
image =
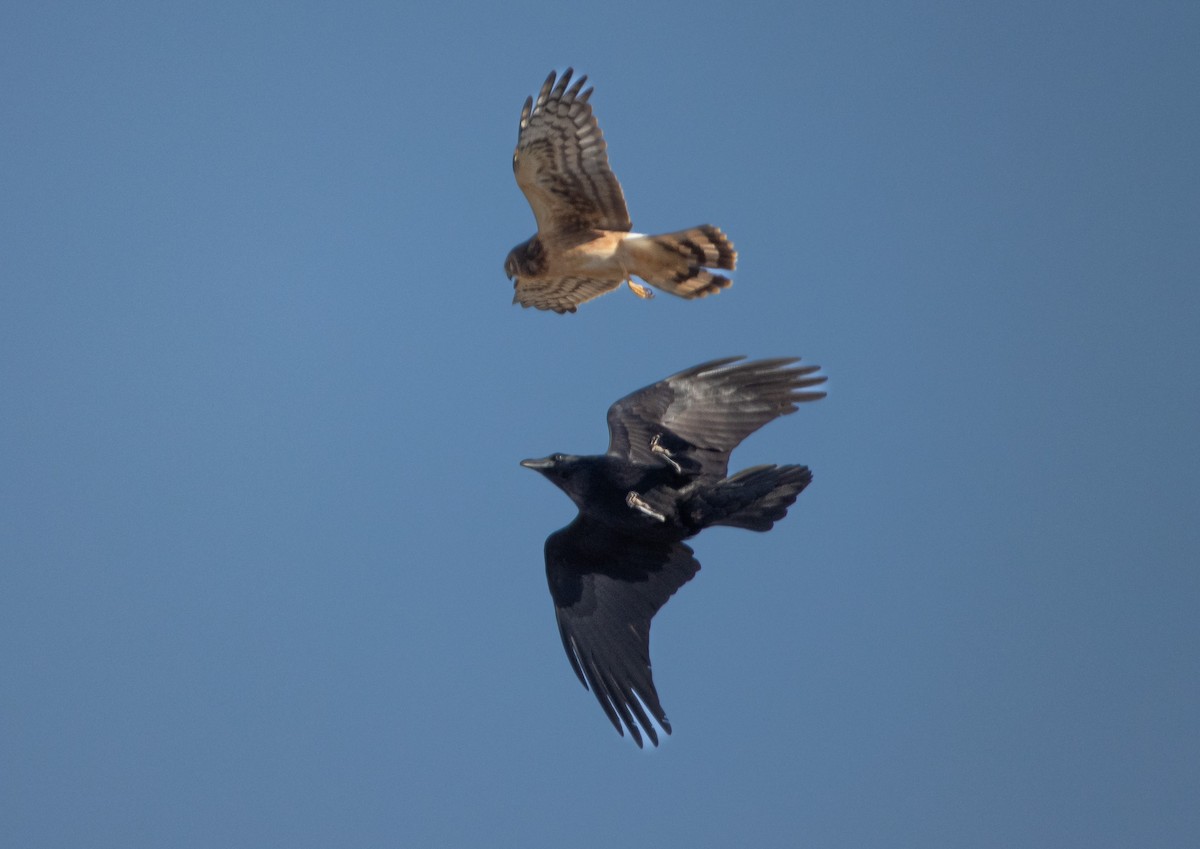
(635, 501)
(656, 448)
(638, 289)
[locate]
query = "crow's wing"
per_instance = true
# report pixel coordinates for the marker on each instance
(606, 588)
(701, 414)
(561, 163)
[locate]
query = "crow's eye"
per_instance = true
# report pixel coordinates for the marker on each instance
(558, 458)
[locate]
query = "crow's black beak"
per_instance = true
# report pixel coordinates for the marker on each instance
(538, 465)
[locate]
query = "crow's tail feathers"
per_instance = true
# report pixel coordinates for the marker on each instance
(757, 498)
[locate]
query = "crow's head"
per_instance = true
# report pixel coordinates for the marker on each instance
(570, 473)
(556, 467)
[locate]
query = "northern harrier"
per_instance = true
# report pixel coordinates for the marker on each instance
(584, 247)
(663, 480)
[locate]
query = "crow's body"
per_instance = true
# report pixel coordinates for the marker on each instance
(663, 480)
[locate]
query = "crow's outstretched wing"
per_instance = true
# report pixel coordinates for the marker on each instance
(607, 587)
(703, 413)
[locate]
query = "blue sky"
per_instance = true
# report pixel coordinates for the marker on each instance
(271, 572)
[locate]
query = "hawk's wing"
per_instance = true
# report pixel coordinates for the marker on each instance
(561, 163)
(561, 294)
(701, 414)
(606, 588)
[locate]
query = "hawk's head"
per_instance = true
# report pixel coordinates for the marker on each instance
(525, 260)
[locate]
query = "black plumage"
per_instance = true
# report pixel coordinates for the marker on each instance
(663, 480)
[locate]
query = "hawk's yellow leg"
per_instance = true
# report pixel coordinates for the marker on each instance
(638, 289)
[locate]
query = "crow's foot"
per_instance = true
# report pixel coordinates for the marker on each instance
(635, 501)
(656, 448)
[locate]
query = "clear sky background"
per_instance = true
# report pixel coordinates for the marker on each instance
(273, 577)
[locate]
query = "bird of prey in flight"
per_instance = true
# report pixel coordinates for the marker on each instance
(664, 479)
(583, 247)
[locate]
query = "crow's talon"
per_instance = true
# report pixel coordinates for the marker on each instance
(656, 448)
(635, 501)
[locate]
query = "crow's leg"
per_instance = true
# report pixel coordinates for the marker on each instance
(656, 448)
(635, 501)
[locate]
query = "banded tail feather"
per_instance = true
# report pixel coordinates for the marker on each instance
(678, 262)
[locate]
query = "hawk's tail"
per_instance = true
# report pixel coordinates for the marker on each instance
(678, 262)
(757, 498)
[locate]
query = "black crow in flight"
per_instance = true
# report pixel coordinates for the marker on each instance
(663, 480)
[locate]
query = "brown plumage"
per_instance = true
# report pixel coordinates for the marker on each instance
(583, 247)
